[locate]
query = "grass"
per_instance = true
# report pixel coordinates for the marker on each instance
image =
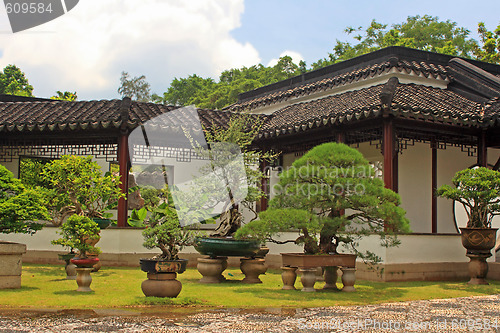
(45, 286)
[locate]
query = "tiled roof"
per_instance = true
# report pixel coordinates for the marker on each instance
(409, 101)
(421, 68)
(51, 115)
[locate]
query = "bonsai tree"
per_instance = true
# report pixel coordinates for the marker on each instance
(79, 232)
(332, 192)
(163, 231)
(238, 133)
(19, 206)
(81, 188)
(478, 190)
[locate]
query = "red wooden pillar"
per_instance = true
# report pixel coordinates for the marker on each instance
(390, 156)
(340, 137)
(434, 188)
(482, 150)
(264, 186)
(123, 161)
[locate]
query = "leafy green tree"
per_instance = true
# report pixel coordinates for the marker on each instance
(80, 187)
(331, 191)
(490, 48)
(137, 88)
(65, 96)
(19, 206)
(14, 82)
(206, 93)
(420, 32)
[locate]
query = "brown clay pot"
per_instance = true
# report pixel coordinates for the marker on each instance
(252, 268)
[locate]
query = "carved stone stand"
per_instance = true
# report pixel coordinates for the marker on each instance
(348, 278)
(289, 275)
(83, 279)
(211, 269)
(252, 268)
(161, 285)
(478, 267)
(308, 265)
(308, 279)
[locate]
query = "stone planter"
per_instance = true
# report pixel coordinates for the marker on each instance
(11, 262)
(288, 276)
(162, 276)
(478, 242)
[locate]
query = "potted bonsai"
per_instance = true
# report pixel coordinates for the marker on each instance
(332, 192)
(241, 184)
(20, 207)
(163, 231)
(478, 190)
(81, 233)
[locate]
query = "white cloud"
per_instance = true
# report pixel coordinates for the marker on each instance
(86, 49)
(296, 57)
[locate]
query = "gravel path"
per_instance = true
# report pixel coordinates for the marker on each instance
(469, 314)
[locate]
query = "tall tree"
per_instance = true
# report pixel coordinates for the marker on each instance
(490, 48)
(137, 88)
(206, 93)
(420, 32)
(14, 82)
(65, 96)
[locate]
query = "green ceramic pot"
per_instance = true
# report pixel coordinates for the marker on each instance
(226, 247)
(103, 223)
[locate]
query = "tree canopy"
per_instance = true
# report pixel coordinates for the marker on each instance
(65, 96)
(206, 93)
(420, 32)
(14, 82)
(137, 88)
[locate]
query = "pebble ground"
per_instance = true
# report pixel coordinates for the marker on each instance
(468, 314)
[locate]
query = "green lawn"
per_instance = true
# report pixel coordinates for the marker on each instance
(45, 286)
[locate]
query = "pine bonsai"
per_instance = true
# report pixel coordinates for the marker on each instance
(332, 192)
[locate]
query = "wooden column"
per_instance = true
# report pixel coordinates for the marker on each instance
(434, 188)
(482, 150)
(389, 155)
(264, 187)
(340, 137)
(123, 161)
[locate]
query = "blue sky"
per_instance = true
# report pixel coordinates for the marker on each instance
(86, 49)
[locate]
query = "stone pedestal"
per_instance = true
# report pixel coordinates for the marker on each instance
(331, 276)
(11, 262)
(308, 279)
(211, 269)
(288, 276)
(348, 278)
(161, 285)
(478, 268)
(252, 268)
(83, 279)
